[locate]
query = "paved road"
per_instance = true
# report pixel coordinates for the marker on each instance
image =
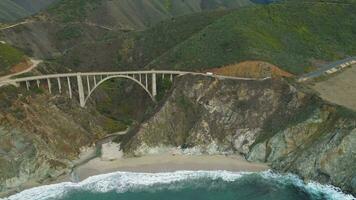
(329, 68)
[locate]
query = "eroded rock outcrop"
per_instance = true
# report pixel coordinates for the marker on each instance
(39, 136)
(267, 121)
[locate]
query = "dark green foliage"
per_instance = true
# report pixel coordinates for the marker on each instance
(37, 90)
(124, 104)
(184, 102)
(73, 10)
(345, 112)
(163, 86)
(69, 32)
(113, 126)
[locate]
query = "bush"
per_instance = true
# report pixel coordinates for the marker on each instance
(69, 32)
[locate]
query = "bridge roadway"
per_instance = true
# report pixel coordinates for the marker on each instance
(94, 79)
(329, 68)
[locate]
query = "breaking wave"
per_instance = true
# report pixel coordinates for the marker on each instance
(121, 182)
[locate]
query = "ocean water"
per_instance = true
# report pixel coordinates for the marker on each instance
(186, 185)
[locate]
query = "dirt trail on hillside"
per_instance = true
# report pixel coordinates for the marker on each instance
(14, 25)
(34, 64)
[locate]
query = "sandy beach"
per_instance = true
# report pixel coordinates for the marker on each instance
(162, 163)
(111, 160)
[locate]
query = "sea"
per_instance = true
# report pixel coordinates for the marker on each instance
(187, 185)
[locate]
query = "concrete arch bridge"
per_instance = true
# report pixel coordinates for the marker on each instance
(86, 83)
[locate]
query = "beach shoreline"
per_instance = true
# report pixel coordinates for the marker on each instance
(111, 160)
(167, 163)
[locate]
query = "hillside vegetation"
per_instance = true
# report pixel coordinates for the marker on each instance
(133, 14)
(290, 35)
(10, 11)
(251, 69)
(13, 10)
(9, 56)
(134, 50)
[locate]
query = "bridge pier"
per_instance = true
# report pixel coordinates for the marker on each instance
(59, 85)
(88, 83)
(27, 85)
(154, 85)
(49, 85)
(69, 88)
(81, 91)
(146, 79)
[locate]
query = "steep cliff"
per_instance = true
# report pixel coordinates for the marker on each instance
(40, 135)
(270, 121)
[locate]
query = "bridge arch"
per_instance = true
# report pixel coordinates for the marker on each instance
(117, 76)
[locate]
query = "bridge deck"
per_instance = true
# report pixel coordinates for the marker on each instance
(166, 72)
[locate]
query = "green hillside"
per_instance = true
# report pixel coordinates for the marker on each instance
(9, 56)
(293, 36)
(10, 11)
(14, 10)
(134, 14)
(143, 47)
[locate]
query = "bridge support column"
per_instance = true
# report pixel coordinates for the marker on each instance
(69, 88)
(81, 91)
(88, 83)
(49, 86)
(27, 85)
(154, 86)
(59, 85)
(146, 80)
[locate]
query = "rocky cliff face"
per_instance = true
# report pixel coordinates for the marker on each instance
(267, 121)
(40, 134)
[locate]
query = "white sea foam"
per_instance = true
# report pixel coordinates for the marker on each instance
(331, 192)
(123, 181)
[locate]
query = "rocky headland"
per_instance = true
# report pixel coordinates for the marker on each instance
(275, 121)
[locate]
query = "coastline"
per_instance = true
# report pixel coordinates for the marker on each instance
(167, 163)
(105, 157)
(109, 159)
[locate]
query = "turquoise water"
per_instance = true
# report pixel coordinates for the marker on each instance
(187, 185)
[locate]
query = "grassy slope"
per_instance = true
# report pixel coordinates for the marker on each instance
(289, 35)
(13, 10)
(34, 6)
(9, 56)
(134, 50)
(72, 10)
(10, 11)
(145, 46)
(136, 14)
